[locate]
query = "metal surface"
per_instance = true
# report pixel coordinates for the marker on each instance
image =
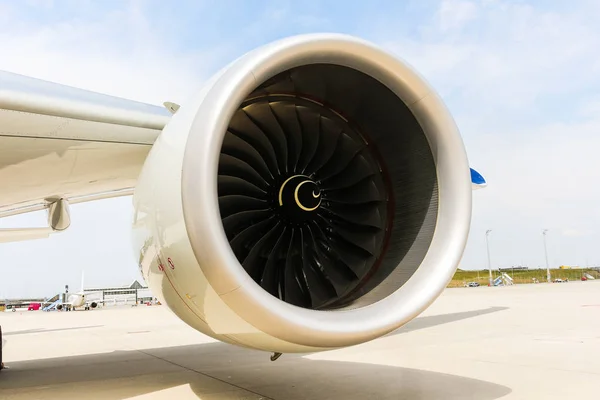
(42, 205)
(59, 217)
(184, 252)
(59, 141)
(29, 95)
(23, 234)
(32, 170)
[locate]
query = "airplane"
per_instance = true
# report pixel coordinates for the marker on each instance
(79, 299)
(314, 194)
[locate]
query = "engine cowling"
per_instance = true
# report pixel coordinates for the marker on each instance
(314, 194)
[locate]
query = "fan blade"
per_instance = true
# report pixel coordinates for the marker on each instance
(346, 150)
(328, 141)
(234, 204)
(242, 243)
(261, 116)
(231, 185)
(236, 223)
(353, 261)
(295, 291)
(255, 262)
(358, 169)
(319, 286)
(272, 274)
(286, 116)
(362, 215)
(308, 259)
(231, 166)
(310, 123)
(364, 192)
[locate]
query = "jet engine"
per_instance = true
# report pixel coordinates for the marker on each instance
(315, 194)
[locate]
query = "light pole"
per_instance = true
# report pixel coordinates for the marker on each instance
(487, 243)
(548, 278)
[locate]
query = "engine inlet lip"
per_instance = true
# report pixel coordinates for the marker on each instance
(322, 329)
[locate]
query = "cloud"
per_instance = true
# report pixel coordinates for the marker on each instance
(575, 232)
(454, 14)
(505, 54)
(522, 82)
(122, 50)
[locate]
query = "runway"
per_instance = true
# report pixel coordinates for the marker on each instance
(519, 342)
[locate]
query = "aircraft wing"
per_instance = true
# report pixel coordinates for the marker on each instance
(61, 142)
(61, 145)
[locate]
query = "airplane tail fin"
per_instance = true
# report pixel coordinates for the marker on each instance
(477, 180)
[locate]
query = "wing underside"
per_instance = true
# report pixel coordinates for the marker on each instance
(62, 142)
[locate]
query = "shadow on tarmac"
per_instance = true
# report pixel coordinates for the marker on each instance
(220, 371)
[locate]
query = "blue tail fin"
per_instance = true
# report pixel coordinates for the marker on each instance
(477, 180)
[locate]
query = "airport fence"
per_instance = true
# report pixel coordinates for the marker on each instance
(462, 277)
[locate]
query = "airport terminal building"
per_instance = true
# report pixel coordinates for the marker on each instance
(135, 293)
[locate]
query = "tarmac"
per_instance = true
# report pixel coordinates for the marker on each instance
(538, 341)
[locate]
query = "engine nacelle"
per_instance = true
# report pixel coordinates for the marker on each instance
(315, 194)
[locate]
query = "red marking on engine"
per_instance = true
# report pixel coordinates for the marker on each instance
(171, 264)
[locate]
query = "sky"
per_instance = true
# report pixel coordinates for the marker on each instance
(522, 79)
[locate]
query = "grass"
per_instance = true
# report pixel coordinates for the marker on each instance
(519, 276)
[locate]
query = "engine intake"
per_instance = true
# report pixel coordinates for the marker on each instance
(315, 194)
(321, 168)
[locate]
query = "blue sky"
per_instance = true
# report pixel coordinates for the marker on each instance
(521, 78)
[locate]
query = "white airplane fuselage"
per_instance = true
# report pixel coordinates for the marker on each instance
(77, 300)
